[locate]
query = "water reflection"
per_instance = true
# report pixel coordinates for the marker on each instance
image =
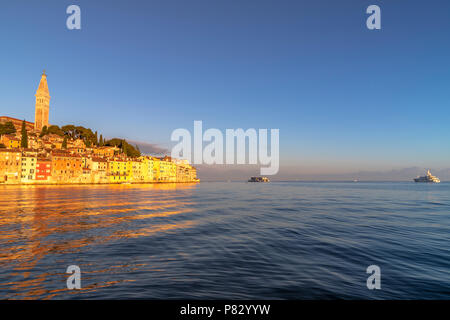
(40, 223)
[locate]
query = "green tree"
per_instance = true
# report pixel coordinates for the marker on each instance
(24, 140)
(44, 131)
(64, 144)
(7, 128)
(126, 148)
(69, 130)
(53, 129)
(101, 142)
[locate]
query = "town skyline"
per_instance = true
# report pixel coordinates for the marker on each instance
(44, 153)
(344, 98)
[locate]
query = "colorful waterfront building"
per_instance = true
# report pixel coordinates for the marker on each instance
(148, 168)
(183, 168)
(193, 175)
(43, 169)
(138, 171)
(10, 163)
(66, 167)
(99, 167)
(119, 170)
(86, 176)
(168, 170)
(156, 169)
(99, 164)
(28, 166)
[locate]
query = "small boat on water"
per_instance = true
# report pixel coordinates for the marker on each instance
(258, 179)
(428, 178)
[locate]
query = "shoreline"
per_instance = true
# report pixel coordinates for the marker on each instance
(93, 183)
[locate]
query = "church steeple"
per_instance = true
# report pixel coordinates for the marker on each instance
(42, 104)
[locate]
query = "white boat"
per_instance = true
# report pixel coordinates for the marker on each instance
(428, 178)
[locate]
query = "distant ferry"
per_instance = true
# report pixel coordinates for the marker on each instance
(258, 179)
(428, 178)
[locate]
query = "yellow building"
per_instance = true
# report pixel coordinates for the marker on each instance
(138, 171)
(10, 141)
(10, 162)
(99, 164)
(168, 170)
(185, 172)
(148, 168)
(95, 170)
(28, 166)
(119, 170)
(156, 169)
(193, 175)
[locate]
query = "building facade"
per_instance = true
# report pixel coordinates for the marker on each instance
(10, 141)
(43, 169)
(10, 165)
(28, 165)
(66, 167)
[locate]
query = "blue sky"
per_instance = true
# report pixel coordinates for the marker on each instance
(344, 98)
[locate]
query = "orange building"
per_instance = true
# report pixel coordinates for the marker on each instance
(104, 152)
(43, 169)
(66, 167)
(10, 141)
(10, 165)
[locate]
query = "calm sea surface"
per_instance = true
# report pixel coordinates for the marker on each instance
(226, 240)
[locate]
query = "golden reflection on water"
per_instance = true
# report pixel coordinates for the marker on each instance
(41, 221)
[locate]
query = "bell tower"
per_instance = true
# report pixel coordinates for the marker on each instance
(42, 104)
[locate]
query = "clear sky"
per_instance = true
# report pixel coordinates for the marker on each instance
(345, 98)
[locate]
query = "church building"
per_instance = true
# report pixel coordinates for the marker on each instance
(41, 112)
(42, 104)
